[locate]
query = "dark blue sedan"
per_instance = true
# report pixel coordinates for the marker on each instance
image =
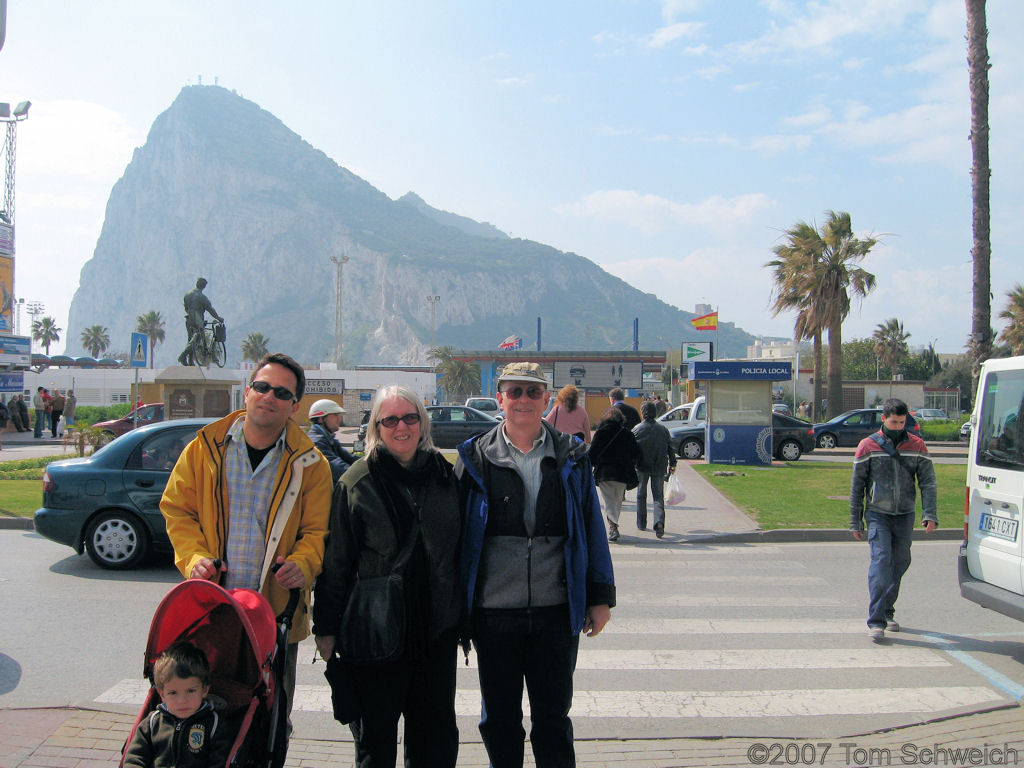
(109, 503)
(853, 426)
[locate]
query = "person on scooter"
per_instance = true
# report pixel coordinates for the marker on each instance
(325, 416)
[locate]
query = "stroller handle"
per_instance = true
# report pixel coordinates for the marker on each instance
(285, 617)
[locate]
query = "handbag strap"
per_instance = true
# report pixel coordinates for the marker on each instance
(607, 445)
(891, 450)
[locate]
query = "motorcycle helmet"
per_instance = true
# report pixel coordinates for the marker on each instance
(322, 408)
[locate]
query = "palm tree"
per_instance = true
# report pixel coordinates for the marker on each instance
(795, 264)
(151, 324)
(96, 339)
(459, 378)
(980, 344)
(46, 332)
(890, 346)
(1013, 333)
(254, 346)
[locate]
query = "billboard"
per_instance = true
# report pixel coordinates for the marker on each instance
(6, 294)
(598, 374)
(6, 239)
(15, 350)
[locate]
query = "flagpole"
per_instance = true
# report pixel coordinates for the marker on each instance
(717, 319)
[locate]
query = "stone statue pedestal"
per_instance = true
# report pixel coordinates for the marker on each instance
(190, 392)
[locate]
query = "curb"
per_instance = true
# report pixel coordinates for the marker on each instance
(797, 535)
(16, 523)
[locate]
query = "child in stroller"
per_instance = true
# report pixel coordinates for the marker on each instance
(246, 647)
(185, 730)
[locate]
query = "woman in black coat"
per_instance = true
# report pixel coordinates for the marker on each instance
(613, 452)
(403, 491)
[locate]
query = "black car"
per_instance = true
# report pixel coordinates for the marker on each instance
(853, 426)
(453, 424)
(109, 503)
(791, 438)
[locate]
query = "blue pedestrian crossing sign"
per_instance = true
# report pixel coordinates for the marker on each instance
(140, 348)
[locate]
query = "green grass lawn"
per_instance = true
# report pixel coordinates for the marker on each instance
(21, 487)
(815, 494)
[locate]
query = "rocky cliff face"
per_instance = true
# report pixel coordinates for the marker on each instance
(223, 190)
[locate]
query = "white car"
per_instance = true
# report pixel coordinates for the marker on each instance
(488, 405)
(931, 414)
(688, 414)
(991, 561)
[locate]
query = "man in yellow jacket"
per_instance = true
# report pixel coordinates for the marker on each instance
(251, 491)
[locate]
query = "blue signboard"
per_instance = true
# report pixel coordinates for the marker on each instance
(15, 350)
(139, 349)
(12, 382)
(744, 370)
(738, 444)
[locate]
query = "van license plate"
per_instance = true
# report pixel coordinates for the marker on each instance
(1001, 527)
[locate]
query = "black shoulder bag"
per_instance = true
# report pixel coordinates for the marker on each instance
(890, 449)
(374, 623)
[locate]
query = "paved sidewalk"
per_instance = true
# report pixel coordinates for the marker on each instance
(80, 738)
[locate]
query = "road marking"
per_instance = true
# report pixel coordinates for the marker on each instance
(664, 575)
(785, 566)
(645, 627)
(755, 659)
(998, 679)
(679, 704)
(752, 601)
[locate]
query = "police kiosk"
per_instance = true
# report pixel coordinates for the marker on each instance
(738, 429)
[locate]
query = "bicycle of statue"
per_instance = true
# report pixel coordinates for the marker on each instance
(207, 346)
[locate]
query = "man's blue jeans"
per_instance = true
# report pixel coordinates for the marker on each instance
(889, 537)
(536, 646)
(40, 423)
(657, 491)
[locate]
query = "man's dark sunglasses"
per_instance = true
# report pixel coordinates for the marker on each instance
(534, 393)
(281, 393)
(392, 421)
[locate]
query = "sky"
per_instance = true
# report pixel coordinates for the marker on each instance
(672, 142)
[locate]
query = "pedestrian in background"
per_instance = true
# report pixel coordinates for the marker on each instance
(614, 454)
(70, 402)
(56, 411)
(885, 467)
(568, 415)
(655, 462)
(617, 398)
(39, 406)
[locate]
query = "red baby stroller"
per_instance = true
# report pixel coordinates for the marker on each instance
(246, 647)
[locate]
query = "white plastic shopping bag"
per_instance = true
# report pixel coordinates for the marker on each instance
(676, 494)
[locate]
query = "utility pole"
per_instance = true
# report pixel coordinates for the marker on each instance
(339, 263)
(35, 308)
(433, 318)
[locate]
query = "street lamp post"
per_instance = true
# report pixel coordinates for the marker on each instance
(35, 308)
(339, 263)
(433, 305)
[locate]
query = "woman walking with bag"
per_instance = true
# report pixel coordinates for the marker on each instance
(613, 453)
(394, 511)
(567, 415)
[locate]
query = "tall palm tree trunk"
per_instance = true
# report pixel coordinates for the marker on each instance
(981, 251)
(835, 368)
(819, 366)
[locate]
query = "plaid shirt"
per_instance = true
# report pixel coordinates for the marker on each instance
(249, 494)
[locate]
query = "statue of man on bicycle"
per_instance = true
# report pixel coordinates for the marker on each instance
(196, 307)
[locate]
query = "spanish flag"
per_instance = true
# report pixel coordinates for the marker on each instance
(708, 322)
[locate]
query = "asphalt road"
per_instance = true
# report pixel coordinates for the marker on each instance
(707, 640)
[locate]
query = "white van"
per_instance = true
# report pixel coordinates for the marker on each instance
(991, 562)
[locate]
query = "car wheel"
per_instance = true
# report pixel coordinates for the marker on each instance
(790, 450)
(691, 448)
(116, 540)
(827, 440)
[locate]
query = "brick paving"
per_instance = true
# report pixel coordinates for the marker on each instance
(80, 738)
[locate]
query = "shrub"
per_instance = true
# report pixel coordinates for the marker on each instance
(943, 431)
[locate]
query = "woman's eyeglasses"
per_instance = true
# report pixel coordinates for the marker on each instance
(392, 421)
(534, 393)
(281, 393)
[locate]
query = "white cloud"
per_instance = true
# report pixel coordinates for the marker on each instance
(673, 9)
(662, 37)
(818, 115)
(711, 73)
(651, 213)
(779, 143)
(516, 82)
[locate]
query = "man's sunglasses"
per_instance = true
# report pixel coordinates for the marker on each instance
(534, 393)
(281, 393)
(392, 421)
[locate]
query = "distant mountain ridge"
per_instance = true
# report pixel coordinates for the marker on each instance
(224, 190)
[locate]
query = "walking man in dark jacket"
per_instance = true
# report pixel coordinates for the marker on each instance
(617, 397)
(884, 470)
(535, 567)
(657, 460)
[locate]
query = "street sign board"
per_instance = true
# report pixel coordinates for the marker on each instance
(12, 382)
(598, 374)
(325, 386)
(695, 351)
(139, 350)
(15, 350)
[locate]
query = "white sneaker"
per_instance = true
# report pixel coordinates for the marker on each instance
(877, 634)
(893, 626)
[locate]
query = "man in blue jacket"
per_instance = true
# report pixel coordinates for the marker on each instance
(536, 569)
